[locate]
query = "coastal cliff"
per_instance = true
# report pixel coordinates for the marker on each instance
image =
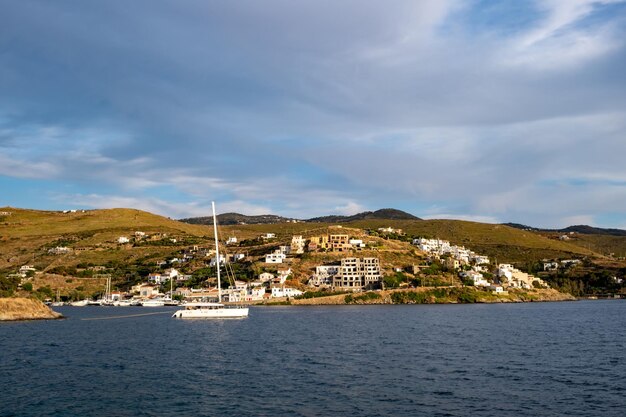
(25, 309)
(443, 295)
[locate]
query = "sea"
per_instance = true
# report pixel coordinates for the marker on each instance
(532, 359)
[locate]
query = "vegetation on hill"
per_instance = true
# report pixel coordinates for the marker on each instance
(382, 214)
(27, 236)
(25, 309)
(236, 218)
(581, 228)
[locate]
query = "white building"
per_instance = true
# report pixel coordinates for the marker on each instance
(550, 266)
(477, 278)
(282, 291)
(357, 243)
(231, 240)
(27, 268)
(213, 261)
(480, 259)
(265, 277)
(123, 239)
(275, 258)
(60, 250)
(323, 276)
(513, 277)
(297, 244)
(268, 236)
(282, 275)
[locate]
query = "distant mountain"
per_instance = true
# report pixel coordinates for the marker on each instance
(590, 230)
(581, 228)
(520, 226)
(382, 214)
(236, 218)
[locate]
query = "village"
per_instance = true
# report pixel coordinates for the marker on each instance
(353, 268)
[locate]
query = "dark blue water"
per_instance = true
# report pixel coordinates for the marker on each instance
(548, 359)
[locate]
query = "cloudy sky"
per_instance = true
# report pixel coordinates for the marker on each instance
(483, 110)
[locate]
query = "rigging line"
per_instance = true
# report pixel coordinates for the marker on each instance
(126, 316)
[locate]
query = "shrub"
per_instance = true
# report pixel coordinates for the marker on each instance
(368, 296)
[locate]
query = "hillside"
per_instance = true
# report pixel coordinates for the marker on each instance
(27, 236)
(93, 250)
(236, 218)
(382, 214)
(12, 309)
(581, 228)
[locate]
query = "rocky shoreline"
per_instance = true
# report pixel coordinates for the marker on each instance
(13, 309)
(440, 295)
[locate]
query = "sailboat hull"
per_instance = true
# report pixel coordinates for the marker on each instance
(212, 313)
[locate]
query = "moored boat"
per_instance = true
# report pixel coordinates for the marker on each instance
(213, 310)
(155, 302)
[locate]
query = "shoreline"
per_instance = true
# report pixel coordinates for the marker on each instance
(26, 309)
(428, 295)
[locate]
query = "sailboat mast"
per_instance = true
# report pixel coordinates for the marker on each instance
(217, 255)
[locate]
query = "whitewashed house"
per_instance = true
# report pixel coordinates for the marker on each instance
(265, 277)
(282, 291)
(213, 261)
(275, 258)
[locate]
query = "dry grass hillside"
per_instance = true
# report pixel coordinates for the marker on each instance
(26, 237)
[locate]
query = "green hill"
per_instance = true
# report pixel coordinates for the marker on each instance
(27, 235)
(382, 214)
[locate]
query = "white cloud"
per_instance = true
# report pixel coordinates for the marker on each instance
(348, 209)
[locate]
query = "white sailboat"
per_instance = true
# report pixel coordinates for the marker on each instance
(213, 310)
(58, 302)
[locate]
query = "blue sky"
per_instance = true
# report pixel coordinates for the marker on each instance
(481, 110)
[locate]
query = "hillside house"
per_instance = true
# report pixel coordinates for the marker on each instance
(298, 244)
(358, 273)
(323, 276)
(265, 277)
(60, 250)
(282, 291)
(513, 277)
(275, 258)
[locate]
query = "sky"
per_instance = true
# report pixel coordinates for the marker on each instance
(489, 111)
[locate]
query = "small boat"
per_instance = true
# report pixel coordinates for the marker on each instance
(212, 310)
(170, 302)
(58, 302)
(155, 302)
(80, 303)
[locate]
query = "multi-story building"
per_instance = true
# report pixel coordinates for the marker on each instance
(323, 276)
(297, 244)
(358, 273)
(318, 243)
(339, 242)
